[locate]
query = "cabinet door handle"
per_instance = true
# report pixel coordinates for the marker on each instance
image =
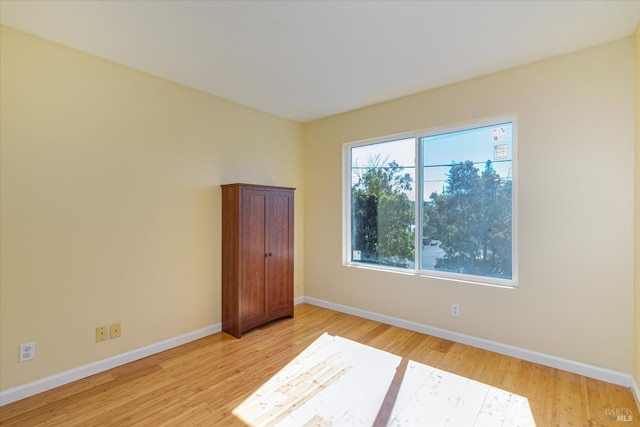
(268, 254)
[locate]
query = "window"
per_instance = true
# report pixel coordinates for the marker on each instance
(439, 203)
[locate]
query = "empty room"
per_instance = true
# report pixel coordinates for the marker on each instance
(288, 213)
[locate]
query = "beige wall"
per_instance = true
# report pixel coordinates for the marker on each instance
(111, 203)
(576, 145)
(636, 323)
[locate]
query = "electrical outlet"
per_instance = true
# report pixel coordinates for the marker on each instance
(102, 333)
(27, 351)
(116, 331)
(455, 310)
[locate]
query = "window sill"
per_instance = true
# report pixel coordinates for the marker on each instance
(504, 284)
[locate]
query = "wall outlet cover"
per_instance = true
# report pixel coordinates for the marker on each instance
(27, 351)
(116, 330)
(102, 334)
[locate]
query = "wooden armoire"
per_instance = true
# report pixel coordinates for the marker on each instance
(257, 255)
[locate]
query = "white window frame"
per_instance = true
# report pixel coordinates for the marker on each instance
(418, 188)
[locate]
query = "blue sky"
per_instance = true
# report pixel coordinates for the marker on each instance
(479, 145)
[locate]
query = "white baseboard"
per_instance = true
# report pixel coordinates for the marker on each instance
(580, 368)
(635, 389)
(26, 390)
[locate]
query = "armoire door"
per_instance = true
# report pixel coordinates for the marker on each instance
(253, 259)
(279, 268)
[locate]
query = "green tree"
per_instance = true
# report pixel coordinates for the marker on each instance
(430, 218)
(395, 240)
(472, 219)
(364, 224)
(382, 214)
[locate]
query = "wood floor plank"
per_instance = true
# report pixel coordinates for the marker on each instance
(202, 382)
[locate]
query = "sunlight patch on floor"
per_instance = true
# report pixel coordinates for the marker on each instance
(432, 397)
(336, 382)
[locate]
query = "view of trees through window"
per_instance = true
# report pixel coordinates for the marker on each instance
(383, 216)
(465, 210)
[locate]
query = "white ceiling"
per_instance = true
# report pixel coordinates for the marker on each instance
(304, 60)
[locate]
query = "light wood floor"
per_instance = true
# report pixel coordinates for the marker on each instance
(200, 383)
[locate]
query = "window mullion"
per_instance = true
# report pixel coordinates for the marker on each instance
(418, 205)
